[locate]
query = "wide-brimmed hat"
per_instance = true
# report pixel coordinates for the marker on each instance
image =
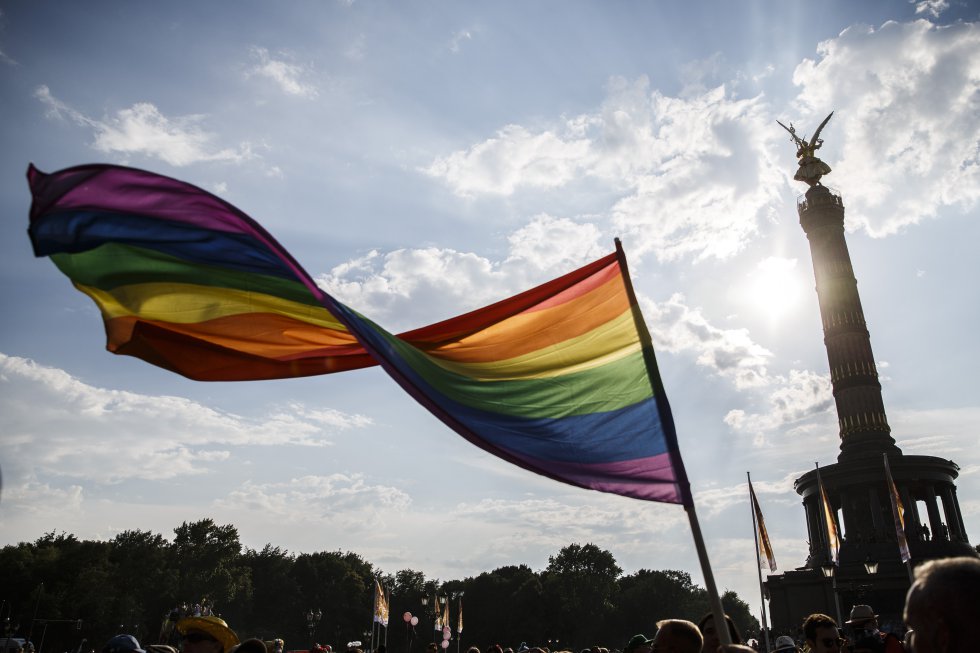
(213, 626)
(784, 643)
(860, 614)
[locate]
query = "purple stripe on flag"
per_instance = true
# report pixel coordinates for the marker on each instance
(650, 478)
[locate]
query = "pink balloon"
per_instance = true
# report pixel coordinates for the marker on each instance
(415, 621)
(445, 643)
(446, 631)
(445, 636)
(407, 617)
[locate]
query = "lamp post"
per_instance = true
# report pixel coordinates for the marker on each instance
(829, 570)
(312, 619)
(430, 612)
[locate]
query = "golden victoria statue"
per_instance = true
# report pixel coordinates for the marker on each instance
(811, 168)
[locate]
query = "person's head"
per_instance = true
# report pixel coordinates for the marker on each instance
(638, 644)
(711, 640)
(208, 634)
(677, 636)
(122, 644)
(943, 606)
(822, 635)
(785, 644)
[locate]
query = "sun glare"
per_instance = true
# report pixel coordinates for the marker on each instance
(774, 288)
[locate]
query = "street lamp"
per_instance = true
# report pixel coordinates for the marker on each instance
(312, 619)
(829, 570)
(871, 565)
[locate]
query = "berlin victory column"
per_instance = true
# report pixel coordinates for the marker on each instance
(856, 485)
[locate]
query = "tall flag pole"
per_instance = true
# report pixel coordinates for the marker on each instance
(833, 537)
(762, 547)
(459, 625)
(898, 513)
(387, 616)
(560, 380)
(669, 434)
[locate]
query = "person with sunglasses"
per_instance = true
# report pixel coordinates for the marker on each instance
(822, 634)
(208, 634)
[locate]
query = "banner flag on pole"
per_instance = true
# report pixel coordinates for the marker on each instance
(898, 514)
(445, 615)
(380, 605)
(459, 620)
(765, 547)
(833, 535)
(560, 380)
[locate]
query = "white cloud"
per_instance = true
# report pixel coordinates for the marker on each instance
(81, 431)
(906, 126)
(289, 76)
(931, 7)
(458, 38)
(513, 158)
(143, 129)
(731, 353)
(408, 288)
(797, 397)
(346, 501)
(692, 175)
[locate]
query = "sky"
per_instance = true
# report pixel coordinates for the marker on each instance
(425, 158)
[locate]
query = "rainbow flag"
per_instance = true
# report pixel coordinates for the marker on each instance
(560, 380)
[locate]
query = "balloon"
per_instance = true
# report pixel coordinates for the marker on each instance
(407, 617)
(446, 636)
(415, 621)
(445, 643)
(446, 631)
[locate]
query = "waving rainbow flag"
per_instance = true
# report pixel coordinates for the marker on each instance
(560, 380)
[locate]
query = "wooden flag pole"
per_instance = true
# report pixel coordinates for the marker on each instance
(758, 561)
(717, 611)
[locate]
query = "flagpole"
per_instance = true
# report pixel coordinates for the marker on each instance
(824, 509)
(717, 611)
(374, 612)
(758, 560)
(667, 420)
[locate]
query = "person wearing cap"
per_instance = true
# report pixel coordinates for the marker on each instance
(822, 634)
(864, 636)
(639, 644)
(785, 644)
(122, 644)
(207, 634)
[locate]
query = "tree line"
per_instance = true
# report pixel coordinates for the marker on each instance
(73, 595)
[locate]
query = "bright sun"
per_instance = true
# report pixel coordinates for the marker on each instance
(774, 287)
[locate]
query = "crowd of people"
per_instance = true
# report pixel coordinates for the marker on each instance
(941, 609)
